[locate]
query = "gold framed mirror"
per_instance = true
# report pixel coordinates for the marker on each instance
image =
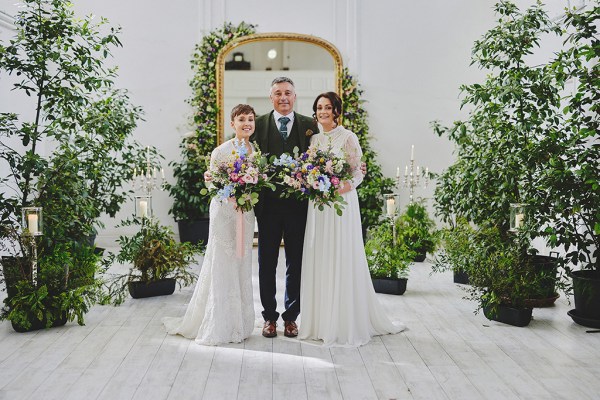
(247, 65)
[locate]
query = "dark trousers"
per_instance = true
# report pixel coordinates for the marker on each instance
(280, 218)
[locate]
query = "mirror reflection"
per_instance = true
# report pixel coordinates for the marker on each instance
(248, 67)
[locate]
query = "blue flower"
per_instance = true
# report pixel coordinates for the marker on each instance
(285, 160)
(226, 192)
(324, 183)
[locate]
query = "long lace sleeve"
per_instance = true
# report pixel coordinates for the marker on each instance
(354, 158)
(214, 161)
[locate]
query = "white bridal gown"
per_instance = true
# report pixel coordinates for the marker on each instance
(337, 301)
(222, 307)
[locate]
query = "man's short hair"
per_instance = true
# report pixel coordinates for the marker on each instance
(282, 79)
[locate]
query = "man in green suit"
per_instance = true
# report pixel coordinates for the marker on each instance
(278, 132)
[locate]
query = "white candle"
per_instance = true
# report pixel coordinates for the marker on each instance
(154, 172)
(148, 153)
(417, 170)
(391, 206)
(32, 223)
(519, 220)
(412, 152)
(143, 209)
(406, 170)
(134, 172)
(397, 172)
(426, 171)
(162, 173)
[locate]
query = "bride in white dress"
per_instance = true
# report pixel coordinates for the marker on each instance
(222, 307)
(337, 301)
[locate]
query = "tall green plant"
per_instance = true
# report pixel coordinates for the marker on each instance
(509, 114)
(568, 195)
(59, 61)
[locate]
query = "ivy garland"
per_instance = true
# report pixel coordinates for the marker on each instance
(188, 203)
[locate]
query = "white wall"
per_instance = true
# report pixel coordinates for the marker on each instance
(409, 56)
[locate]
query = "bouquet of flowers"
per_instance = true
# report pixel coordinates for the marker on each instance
(240, 176)
(316, 175)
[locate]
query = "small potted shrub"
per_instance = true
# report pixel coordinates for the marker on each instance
(416, 229)
(388, 260)
(64, 289)
(158, 261)
(502, 274)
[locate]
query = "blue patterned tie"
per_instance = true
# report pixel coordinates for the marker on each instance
(283, 127)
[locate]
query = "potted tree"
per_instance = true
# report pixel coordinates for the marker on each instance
(388, 259)
(58, 61)
(498, 157)
(569, 190)
(416, 229)
(158, 262)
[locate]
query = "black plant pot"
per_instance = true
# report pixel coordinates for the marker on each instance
(586, 291)
(461, 277)
(194, 231)
(390, 285)
(509, 315)
(14, 269)
(548, 265)
(140, 290)
(421, 254)
(36, 324)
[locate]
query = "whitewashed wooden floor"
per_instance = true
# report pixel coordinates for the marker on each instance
(446, 353)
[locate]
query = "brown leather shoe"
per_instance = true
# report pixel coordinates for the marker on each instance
(290, 329)
(269, 329)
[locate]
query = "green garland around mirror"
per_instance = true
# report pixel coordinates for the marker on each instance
(188, 203)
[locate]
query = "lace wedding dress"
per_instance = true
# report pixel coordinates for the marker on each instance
(222, 307)
(338, 303)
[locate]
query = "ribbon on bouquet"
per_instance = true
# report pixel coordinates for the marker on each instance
(240, 234)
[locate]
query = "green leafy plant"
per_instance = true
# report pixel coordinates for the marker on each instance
(188, 202)
(416, 229)
(501, 270)
(66, 287)
(154, 255)
(568, 187)
(58, 60)
(386, 258)
(509, 115)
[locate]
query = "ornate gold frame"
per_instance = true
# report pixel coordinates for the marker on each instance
(261, 37)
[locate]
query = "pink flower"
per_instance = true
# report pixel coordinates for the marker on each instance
(335, 181)
(329, 167)
(247, 178)
(234, 177)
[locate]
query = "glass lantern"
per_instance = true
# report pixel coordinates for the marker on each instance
(390, 203)
(143, 206)
(517, 216)
(32, 221)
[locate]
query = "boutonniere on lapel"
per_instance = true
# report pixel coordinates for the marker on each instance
(309, 133)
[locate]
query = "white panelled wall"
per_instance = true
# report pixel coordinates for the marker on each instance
(409, 56)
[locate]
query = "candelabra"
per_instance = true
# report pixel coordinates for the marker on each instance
(146, 181)
(412, 176)
(31, 220)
